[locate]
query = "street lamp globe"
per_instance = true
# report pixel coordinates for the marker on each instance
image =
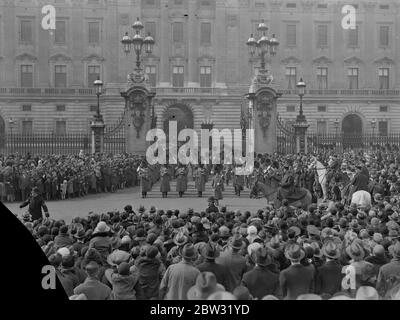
(148, 43)
(373, 124)
(98, 84)
(137, 42)
(301, 86)
(273, 45)
(137, 25)
(126, 41)
(263, 44)
(262, 27)
(252, 45)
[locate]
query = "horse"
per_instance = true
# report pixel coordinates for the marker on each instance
(322, 176)
(271, 195)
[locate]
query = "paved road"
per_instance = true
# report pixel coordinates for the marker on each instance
(99, 203)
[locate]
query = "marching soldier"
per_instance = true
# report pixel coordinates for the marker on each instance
(145, 178)
(181, 181)
(165, 175)
(228, 173)
(200, 180)
(218, 185)
(238, 182)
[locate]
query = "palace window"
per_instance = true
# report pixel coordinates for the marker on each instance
(352, 74)
(151, 73)
(60, 76)
(27, 76)
(291, 77)
(178, 76)
(383, 78)
(322, 78)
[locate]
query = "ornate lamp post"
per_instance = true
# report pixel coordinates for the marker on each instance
(336, 124)
(97, 124)
(262, 99)
(301, 125)
(263, 45)
(138, 96)
(373, 125)
(11, 123)
(98, 84)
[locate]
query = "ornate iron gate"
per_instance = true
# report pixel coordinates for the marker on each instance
(114, 137)
(286, 138)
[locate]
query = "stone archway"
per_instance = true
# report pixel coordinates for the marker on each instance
(352, 125)
(352, 130)
(2, 133)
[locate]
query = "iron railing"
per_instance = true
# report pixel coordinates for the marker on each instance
(45, 143)
(345, 142)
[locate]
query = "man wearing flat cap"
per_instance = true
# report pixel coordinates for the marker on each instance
(92, 288)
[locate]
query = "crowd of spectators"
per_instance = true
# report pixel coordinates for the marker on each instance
(334, 252)
(331, 250)
(60, 177)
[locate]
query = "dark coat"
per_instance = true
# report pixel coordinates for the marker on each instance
(360, 182)
(200, 176)
(149, 277)
(63, 240)
(221, 273)
(388, 277)
(236, 264)
(329, 278)
(165, 182)
(181, 180)
(35, 207)
(261, 282)
(296, 280)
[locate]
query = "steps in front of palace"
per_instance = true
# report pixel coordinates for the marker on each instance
(192, 192)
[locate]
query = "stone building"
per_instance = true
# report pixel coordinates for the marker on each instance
(200, 65)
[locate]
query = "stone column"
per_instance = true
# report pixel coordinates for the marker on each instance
(220, 44)
(165, 45)
(193, 45)
(264, 119)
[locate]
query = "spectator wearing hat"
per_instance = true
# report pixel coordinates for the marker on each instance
(261, 281)
(174, 255)
(67, 283)
(357, 254)
(378, 258)
(296, 279)
(180, 277)
(210, 252)
(252, 234)
(101, 240)
(389, 274)
(206, 285)
(211, 205)
(233, 260)
(125, 286)
(63, 239)
(70, 272)
(79, 240)
(150, 271)
(92, 288)
(329, 276)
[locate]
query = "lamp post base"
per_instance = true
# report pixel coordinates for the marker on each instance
(97, 139)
